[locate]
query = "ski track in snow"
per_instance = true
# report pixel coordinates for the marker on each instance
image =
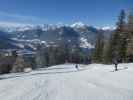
(64, 82)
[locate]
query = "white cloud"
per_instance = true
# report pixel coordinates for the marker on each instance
(13, 24)
(108, 28)
(17, 18)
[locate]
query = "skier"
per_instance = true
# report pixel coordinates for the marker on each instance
(115, 61)
(76, 66)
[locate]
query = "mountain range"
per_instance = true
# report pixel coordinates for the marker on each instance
(27, 37)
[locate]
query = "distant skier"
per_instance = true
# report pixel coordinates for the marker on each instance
(76, 66)
(115, 62)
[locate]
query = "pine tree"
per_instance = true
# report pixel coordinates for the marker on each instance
(113, 49)
(52, 55)
(122, 37)
(19, 64)
(118, 41)
(121, 21)
(98, 52)
(106, 58)
(130, 37)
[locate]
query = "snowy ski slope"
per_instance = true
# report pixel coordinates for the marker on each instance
(64, 82)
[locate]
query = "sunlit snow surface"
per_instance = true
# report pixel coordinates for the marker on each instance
(64, 82)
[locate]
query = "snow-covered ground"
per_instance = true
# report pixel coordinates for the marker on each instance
(64, 82)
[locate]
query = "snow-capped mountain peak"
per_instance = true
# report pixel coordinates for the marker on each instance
(78, 25)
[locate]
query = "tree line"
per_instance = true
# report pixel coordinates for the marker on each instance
(60, 54)
(120, 44)
(43, 58)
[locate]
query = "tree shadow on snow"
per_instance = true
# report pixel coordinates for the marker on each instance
(43, 73)
(124, 68)
(43, 69)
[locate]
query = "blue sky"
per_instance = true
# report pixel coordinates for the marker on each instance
(91, 12)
